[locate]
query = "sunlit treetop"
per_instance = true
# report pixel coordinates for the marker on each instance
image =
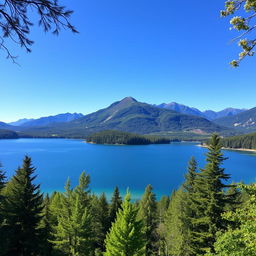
(244, 24)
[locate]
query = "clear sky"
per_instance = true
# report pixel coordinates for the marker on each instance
(153, 50)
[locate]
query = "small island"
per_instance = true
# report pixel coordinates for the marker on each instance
(114, 137)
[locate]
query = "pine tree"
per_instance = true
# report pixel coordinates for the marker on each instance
(24, 206)
(46, 224)
(174, 225)
(100, 210)
(210, 199)
(116, 203)
(126, 236)
(162, 207)
(189, 209)
(148, 214)
(73, 232)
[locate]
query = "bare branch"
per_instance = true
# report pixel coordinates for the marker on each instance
(15, 23)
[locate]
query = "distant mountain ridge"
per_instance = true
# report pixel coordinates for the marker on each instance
(49, 120)
(208, 114)
(20, 122)
(245, 121)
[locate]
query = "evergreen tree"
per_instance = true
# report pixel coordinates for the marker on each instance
(46, 224)
(162, 207)
(210, 199)
(189, 209)
(174, 225)
(116, 203)
(126, 236)
(148, 214)
(101, 222)
(24, 206)
(73, 232)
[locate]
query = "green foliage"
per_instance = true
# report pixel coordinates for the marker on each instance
(118, 137)
(115, 205)
(174, 225)
(247, 141)
(209, 198)
(243, 23)
(126, 236)
(148, 215)
(241, 239)
(23, 212)
(73, 232)
(101, 221)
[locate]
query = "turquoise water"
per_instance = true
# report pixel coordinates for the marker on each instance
(163, 166)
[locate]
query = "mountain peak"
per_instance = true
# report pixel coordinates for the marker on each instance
(128, 99)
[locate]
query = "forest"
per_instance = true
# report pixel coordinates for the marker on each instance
(206, 216)
(125, 138)
(247, 141)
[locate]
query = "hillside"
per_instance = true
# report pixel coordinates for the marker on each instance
(245, 121)
(247, 141)
(132, 116)
(124, 138)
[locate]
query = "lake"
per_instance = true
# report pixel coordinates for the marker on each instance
(131, 167)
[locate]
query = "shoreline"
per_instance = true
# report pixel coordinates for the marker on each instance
(233, 149)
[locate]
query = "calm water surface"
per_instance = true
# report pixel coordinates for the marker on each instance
(163, 166)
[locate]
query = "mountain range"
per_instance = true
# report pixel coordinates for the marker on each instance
(208, 114)
(129, 115)
(245, 121)
(45, 121)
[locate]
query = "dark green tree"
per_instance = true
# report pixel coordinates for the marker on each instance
(189, 209)
(126, 236)
(210, 199)
(100, 212)
(115, 205)
(148, 214)
(73, 232)
(46, 224)
(162, 207)
(174, 225)
(24, 212)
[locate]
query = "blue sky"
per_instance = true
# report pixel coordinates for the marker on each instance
(155, 51)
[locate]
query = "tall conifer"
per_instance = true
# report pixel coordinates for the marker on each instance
(126, 236)
(148, 214)
(73, 233)
(101, 222)
(24, 206)
(210, 198)
(115, 205)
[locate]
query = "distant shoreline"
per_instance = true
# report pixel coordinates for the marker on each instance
(233, 149)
